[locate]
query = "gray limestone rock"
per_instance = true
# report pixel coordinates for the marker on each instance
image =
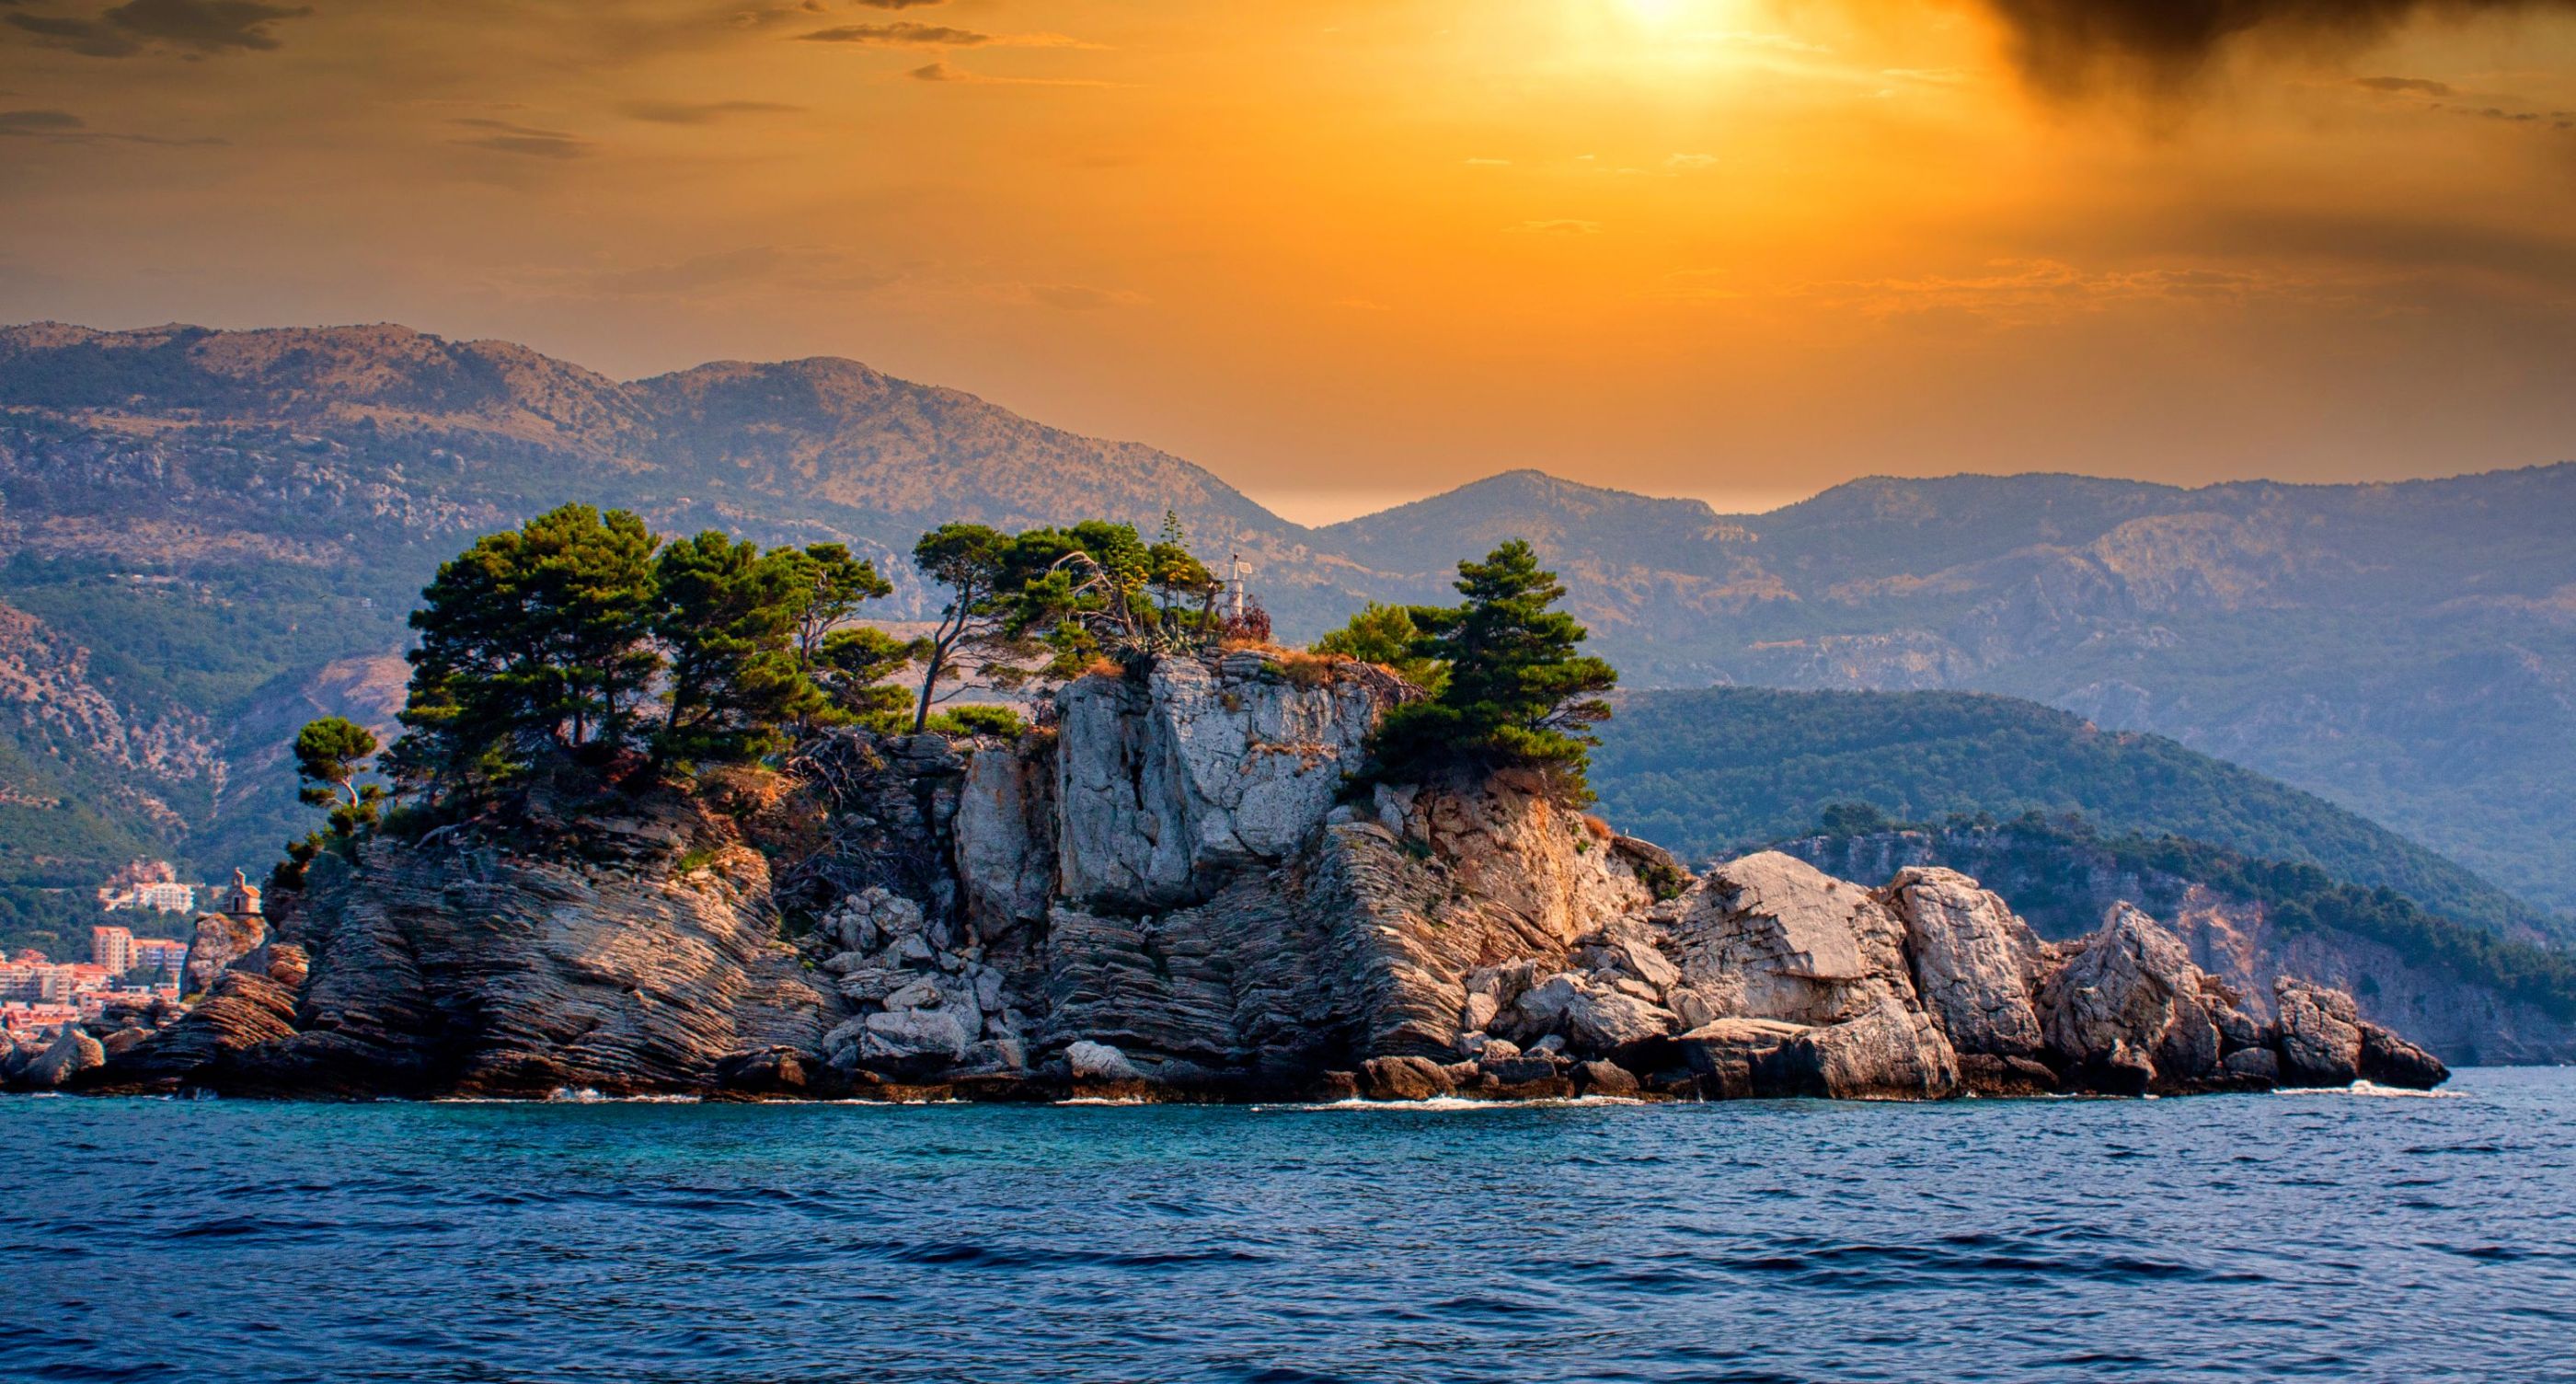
(916, 1037)
(2129, 998)
(1172, 782)
(1098, 1062)
(1888, 1053)
(1770, 936)
(2390, 1060)
(220, 940)
(2256, 1064)
(2320, 1034)
(1974, 960)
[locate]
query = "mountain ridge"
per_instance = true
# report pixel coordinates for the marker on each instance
(2407, 650)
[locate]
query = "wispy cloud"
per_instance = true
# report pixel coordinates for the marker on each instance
(63, 127)
(1556, 226)
(905, 33)
(958, 76)
(527, 141)
(701, 112)
(190, 28)
(2418, 86)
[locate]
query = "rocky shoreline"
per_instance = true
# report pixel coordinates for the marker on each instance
(1174, 893)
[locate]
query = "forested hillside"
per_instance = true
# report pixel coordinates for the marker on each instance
(1713, 772)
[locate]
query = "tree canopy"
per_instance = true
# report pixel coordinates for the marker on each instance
(582, 635)
(1515, 693)
(1049, 601)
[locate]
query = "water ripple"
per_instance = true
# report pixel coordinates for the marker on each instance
(2229, 1239)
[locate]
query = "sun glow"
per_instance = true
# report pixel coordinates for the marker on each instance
(1670, 17)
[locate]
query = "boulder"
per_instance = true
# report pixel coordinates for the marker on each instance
(71, 1053)
(1091, 1061)
(841, 1045)
(1974, 960)
(1886, 1054)
(1603, 1021)
(1627, 946)
(1597, 1078)
(123, 1040)
(915, 1039)
(2392, 1061)
(1723, 1054)
(873, 983)
(1404, 1078)
(1772, 937)
(2320, 1034)
(2129, 999)
(996, 1055)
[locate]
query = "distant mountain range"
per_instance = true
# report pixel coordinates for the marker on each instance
(206, 535)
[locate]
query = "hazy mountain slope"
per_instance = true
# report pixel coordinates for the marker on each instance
(1714, 772)
(202, 520)
(2408, 651)
(208, 514)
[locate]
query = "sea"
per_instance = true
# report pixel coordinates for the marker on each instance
(2343, 1235)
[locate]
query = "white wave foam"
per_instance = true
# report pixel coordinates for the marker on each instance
(2367, 1088)
(1460, 1103)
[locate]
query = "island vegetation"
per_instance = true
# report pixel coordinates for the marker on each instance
(582, 647)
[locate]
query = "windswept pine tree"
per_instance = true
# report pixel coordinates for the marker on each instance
(1513, 691)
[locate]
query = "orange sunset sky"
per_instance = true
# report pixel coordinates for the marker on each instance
(1350, 253)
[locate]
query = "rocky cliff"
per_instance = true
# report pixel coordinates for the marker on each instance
(2064, 884)
(1179, 889)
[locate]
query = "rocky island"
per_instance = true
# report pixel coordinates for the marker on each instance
(660, 823)
(1171, 893)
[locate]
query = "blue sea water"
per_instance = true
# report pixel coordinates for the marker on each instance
(2332, 1235)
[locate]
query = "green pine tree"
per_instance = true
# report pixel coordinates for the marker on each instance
(1517, 695)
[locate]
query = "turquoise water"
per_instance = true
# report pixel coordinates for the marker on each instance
(2338, 1236)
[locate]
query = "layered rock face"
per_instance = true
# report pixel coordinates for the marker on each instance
(636, 953)
(1177, 890)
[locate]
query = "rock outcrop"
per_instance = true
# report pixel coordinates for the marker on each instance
(1179, 889)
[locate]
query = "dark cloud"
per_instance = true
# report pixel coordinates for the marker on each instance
(2069, 46)
(2420, 86)
(194, 28)
(902, 33)
(204, 26)
(63, 127)
(502, 137)
(40, 123)
(701, 112)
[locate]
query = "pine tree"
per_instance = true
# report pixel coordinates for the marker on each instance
(531, 640)
(1517, 695)
(728, 615)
